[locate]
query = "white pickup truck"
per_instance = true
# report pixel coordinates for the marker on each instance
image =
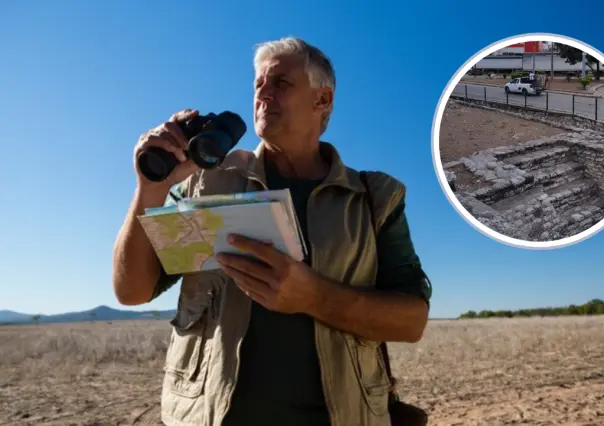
(524, 85)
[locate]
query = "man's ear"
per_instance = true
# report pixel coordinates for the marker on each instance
(324, 99)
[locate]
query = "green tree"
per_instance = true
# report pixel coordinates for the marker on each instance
(593, 307)
(574, 56)
(36, 318)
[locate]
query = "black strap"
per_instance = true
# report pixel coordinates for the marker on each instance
(383, 346)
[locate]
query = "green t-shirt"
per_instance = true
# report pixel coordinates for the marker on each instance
(279, 380)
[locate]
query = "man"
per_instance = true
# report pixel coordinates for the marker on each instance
(283, 342)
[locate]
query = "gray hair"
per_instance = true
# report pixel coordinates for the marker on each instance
(318, 66)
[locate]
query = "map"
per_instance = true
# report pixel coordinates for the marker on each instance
(187, 235)
(184, 242)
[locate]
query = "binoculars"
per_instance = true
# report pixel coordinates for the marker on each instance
(211, 137)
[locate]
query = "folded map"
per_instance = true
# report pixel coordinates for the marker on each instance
(189, 233)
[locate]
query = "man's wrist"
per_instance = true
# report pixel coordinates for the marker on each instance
(145, 197)
(329, 296)
(367, 314)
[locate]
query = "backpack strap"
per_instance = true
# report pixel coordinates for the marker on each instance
(393, 395)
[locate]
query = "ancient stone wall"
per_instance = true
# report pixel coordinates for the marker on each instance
(535, 219)
(488, 216)
(541, 190)
(581, 220)
(592, 156)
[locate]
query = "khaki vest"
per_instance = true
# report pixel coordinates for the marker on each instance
(212, 317)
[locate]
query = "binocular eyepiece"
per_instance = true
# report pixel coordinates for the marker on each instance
(211, 137)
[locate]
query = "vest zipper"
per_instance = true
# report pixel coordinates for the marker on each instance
(313, 263)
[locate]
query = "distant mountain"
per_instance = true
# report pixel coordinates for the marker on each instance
(100, 313)
(10, 316)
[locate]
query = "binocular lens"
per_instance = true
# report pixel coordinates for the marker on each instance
(209, 149)
(156, 164)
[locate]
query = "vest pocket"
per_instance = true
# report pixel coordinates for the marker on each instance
(371, 373)
(186, 363)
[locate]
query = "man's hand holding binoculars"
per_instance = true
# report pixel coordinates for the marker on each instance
(169, 137)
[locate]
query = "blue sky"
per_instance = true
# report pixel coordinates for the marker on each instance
(80, 81)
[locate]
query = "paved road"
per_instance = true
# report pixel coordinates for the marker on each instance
(559, 102)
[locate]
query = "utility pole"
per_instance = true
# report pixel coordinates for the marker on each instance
(534, 51)
(552, 46)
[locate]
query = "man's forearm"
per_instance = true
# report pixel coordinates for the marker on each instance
(136, 267)
(373, 315)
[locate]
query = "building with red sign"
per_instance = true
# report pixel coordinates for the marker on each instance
(522, 48)
(527, 56)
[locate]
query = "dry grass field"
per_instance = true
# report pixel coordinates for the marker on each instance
(538, 371)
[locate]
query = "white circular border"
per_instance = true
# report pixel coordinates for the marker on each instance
(444, 98)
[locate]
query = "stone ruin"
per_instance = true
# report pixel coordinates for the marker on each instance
(541, 190)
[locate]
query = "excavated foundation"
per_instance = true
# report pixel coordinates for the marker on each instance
(541, 190)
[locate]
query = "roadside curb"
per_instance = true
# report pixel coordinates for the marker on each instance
(593, 90)
(598, 90)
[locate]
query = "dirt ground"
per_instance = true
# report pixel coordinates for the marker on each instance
(560, 85)
(540, 371)
(465, 130)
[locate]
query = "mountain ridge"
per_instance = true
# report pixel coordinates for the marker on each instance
(99, 313)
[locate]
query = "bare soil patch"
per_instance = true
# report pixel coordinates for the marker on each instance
(539, 371)
(465, 130)
(82, 374)
(533, 371)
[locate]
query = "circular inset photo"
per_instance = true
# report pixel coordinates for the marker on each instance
(518, 141)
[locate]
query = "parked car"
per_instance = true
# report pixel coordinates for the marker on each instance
(524, 85)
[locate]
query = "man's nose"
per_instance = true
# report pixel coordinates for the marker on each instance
(265, 92)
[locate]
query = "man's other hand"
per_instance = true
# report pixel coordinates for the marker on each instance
(274, 280)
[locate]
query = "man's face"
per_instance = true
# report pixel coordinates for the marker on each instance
(284, 102)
